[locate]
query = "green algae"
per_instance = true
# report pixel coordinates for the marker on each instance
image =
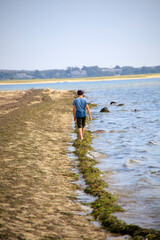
(106, 203)
(15, 121)
(92, 105)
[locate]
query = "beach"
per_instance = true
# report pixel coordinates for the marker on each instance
(44, 167)
(38, 199)
(93, 79)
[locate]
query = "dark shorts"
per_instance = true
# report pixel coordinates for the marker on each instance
(81, 122)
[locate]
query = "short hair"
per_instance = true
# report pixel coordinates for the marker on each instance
(80, 92)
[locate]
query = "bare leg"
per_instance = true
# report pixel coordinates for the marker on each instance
(83, 130)
(80, 133)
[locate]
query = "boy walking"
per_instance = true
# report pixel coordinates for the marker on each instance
(80, 105)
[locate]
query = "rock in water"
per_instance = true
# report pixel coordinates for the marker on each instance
(121, 104)
(113, 103)
(99, 131)
(105, 109)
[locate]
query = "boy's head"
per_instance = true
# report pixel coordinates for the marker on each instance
(80, 92)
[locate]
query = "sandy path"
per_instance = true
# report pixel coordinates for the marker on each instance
(37, 195)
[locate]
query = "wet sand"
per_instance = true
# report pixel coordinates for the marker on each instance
(38, 198)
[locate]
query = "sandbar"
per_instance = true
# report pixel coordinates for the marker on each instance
(38, 198)
(92, 79)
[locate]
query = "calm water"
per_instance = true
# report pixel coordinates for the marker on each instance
(129, 151)
(130, 148)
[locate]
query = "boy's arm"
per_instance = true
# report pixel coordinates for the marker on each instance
(74, 113)
(89, 112)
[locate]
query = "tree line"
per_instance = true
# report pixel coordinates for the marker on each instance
(75, 72)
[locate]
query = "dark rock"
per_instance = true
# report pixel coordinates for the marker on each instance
(99, 131)
(105, 109)
(121, 104)
(113, 103)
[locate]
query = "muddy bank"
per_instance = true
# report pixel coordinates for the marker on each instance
(37, 193)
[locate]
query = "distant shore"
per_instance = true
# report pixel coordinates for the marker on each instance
(93, 79)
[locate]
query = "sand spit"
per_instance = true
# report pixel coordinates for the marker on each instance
(89, 79)
(37, 193)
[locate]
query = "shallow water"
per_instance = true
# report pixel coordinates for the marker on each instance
(132, 147)
(129, 151)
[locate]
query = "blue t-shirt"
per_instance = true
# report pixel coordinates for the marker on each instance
(80, 104)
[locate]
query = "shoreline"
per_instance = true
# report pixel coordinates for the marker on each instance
(38, 199)
(89, 79)
(38, 190)
(106, 203)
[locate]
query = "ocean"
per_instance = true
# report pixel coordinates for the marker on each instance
(128, 152)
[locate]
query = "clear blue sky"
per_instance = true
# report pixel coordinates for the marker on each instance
(56, 34)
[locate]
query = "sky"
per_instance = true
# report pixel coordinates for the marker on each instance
(56, 34)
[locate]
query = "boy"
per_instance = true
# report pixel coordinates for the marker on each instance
(80, 105)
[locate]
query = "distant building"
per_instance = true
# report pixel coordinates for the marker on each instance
(23, 76)
(78, 73)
